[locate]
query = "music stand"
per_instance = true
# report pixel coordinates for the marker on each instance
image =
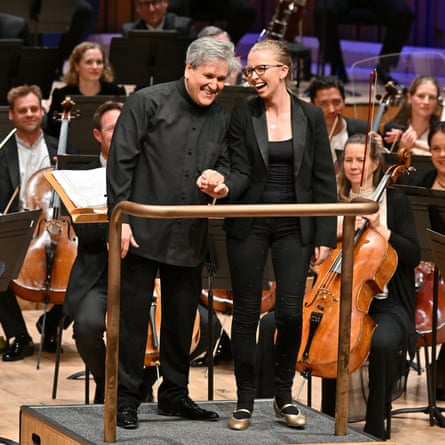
(216, 274)
(16, 230)
(428, 207)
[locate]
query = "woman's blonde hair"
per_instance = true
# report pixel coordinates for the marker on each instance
(72, 77)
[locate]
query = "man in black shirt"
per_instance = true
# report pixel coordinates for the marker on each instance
(168, 148)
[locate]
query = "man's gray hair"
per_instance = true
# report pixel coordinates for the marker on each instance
(208, 49)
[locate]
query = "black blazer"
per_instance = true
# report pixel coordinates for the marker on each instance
(91, 264)
(314, 174)
(355, 126)
(9, 170)
(184, 25)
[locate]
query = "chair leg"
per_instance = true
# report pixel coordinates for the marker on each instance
(57, 361)
(87, 386)
(42, 335)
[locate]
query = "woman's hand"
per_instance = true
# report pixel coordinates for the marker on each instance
(321, 254)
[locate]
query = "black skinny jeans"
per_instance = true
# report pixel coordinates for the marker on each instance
(290, 261)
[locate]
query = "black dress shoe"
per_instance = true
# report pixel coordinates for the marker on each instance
(127, 417)
(21, 347)
(187, 408)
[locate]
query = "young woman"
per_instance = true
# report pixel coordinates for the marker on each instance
(281, 145)
(393, 308)
(89, 73)
(411, 125)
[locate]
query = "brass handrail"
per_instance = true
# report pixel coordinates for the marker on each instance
(348, 210)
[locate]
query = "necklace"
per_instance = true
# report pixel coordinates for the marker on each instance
(440, 184)
(273, 126)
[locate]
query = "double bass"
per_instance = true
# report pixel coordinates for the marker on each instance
(47, 265)
(375, 262)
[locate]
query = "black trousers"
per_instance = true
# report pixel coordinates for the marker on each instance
(386, 364)
(11, 317)
(89, 329)
(290, 261)
(180, 291)
(395, 15)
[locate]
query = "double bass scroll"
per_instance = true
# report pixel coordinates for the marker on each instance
(285, 19)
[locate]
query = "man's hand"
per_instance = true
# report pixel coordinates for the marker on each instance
(127, 239)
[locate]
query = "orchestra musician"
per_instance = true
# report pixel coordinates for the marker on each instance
(169, 147)
(395, 15)
(27, 151)
(328, 93)
(86, 295)
(417, 114)
(393, 309)
(89, 73)
(284, 149)
(435, 180)
(153, 15)
(239, 14)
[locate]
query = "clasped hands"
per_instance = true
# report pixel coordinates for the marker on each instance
(211, 183)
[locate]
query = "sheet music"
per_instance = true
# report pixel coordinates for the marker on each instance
(85, 188)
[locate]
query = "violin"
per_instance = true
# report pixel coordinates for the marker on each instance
(223, 299)
(47, 265)
(375, 262)
(152, 355)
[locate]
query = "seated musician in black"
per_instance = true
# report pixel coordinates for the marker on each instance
(23, 154)
(86, 295)
(435, 180)
(153, 16)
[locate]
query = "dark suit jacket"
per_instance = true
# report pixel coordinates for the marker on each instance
(355, 126)
(9, 170)
(314, 175)
(184, 25)
(91, 264)
(13, 27)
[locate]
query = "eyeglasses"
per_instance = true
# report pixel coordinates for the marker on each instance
(259, 69)
(147, 4)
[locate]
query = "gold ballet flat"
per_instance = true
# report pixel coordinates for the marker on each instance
(240, 419)
(291, 414)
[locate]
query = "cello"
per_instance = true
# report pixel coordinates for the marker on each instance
(47, 265)
(375, 262)
(424, 273)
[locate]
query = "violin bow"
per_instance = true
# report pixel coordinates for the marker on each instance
(11, 200)
(372, 78)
